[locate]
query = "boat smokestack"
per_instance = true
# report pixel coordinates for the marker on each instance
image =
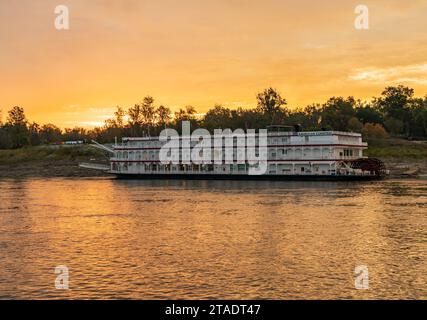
(297, 128)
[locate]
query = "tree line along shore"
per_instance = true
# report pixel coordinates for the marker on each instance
(402, 157)
(394, 124)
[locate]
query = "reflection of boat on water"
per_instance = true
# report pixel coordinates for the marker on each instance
(289, 155)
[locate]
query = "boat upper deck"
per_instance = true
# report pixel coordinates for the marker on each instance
(274, 139)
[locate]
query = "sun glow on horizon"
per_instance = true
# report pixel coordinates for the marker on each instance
(202, 54)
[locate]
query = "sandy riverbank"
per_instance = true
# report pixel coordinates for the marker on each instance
(47, 169)
(50, 162)
(407, 168)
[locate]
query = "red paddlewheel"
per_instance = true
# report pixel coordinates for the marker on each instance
(372, 165)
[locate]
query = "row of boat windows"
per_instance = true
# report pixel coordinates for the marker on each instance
(347, 153)
(180, 167)
(158, 144)
(270, 141)
(232, 168)
(349, 140)
(272, 154)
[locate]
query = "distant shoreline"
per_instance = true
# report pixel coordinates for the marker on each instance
(404, 159)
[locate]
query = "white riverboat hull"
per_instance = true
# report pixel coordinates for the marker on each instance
(249, 177)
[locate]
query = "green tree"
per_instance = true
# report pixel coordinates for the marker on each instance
(34, 131)
(218, 117)
(135, 115)
(5, 138)
(337, 112)
(148, 112)
(374, 131)
(164, 115)
(368, 114)
(16, 117)
(119, 115)
(355, 125)
(113, 128)
(76, 134)
(395, 103)
(49, 133)
(186, 114)
(309, 117)
(418, 119)
(135, 119)
(269, 103)
(395, 126)
(17, 127)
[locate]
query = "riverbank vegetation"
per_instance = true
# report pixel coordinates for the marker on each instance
(396, 113)
(397, 149)
(50, 153)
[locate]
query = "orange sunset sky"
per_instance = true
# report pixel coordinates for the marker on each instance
(202, 52)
